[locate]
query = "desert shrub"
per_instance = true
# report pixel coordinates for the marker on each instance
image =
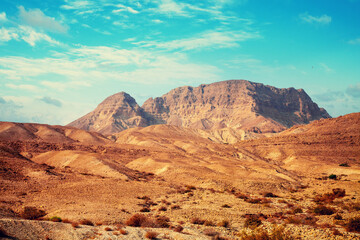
(145, 209)
(353, 225)
(211, 232)
(271, 195)
(303, 219)
(32, 213)
(175, 207)
(226, 206)
(162, 222)
(151, 235)
(197, 221)
(178, 228)
(209, 223)
(123, 232)
(163, 208)
(338, 192)
(252, 222)
(86, 222)
(332, 176)
(344, 165)
(330, 197)
(338, 217)
(241, 195)
(137, 220)
(277, 233)
(143, 197)
(98, 223)
(323, 210)
(65, 220)
(75, 224)
(190, 187)
(253, 200)
(336, 232)
(297, 210)
(55, 219)
(108, 229)
(224, 223)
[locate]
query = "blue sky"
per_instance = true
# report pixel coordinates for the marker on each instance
(59, 59)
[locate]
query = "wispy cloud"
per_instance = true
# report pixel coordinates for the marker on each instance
(354, 90)
(51, 101)
(122, 8)
(209, 39)
(26, 87)
(326, 68)
(323, 19)
(27, 34)
(3, 17)
(36, 18)
(354, 41)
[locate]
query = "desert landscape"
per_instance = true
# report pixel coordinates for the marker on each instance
(228, 160)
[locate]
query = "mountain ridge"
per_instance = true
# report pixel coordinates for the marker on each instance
(236, 104)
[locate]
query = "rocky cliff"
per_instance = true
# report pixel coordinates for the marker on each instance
(235, 104)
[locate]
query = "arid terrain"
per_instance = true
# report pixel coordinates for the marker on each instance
(251, 174)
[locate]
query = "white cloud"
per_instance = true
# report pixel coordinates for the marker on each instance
(326, 68)
(323, 19)
(213, 39)
(36, 18)
(8, 34)
(26, 87)
(3, 17)
(27, 34)
(30, 36)
(355, 41)
(122, 8)
(157, 21)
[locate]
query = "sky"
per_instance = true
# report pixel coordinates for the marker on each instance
(59, 59)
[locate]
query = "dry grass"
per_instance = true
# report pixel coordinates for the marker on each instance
(277, 233)
(86, 222)
(252, 222)
(32, 213)
(151, 235)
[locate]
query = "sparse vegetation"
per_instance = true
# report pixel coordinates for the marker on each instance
(75, 224)
(151, 235)
(32, 213)
(197, 221)
(252, 222)
(108, 229)
(55, 219)
(145, 209)
(304, 219)
(353, 225)
(323, 210)
(344, 165)
(333, 176)
(86, 222)
(297, 210)
(277, 233)
(226, 206)
(140, 220)
(270, 195)
(330, 197)
(209, 223)
(224, 223)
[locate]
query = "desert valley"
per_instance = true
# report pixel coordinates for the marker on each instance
(228, 160)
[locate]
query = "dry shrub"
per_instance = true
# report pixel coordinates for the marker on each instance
(145, 209)
(253, 221)
(108, 229)
(86, 222)
(226, 206)
(151, 235)
(75, 224)
(211, 232)
(178, 228)
(338, 217)
(32, 213)
(55, 219)
(323, 210)
(98, 223)
(258, 200)
(137, 220)
(277, 233)
(197, 221)
(209, 223)
(162, 222)
(224, 223)
(353, 225)
(175, 207)
(336, 232)
(163, 208)
(303, 219)
(297, 210)
(65, 220)
(330, 197)
(270, 195)
(123, 232)
(241, 195)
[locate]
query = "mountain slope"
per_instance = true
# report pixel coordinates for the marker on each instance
(235, 105)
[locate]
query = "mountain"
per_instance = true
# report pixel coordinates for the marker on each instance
(116, 113)
(235, 104)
